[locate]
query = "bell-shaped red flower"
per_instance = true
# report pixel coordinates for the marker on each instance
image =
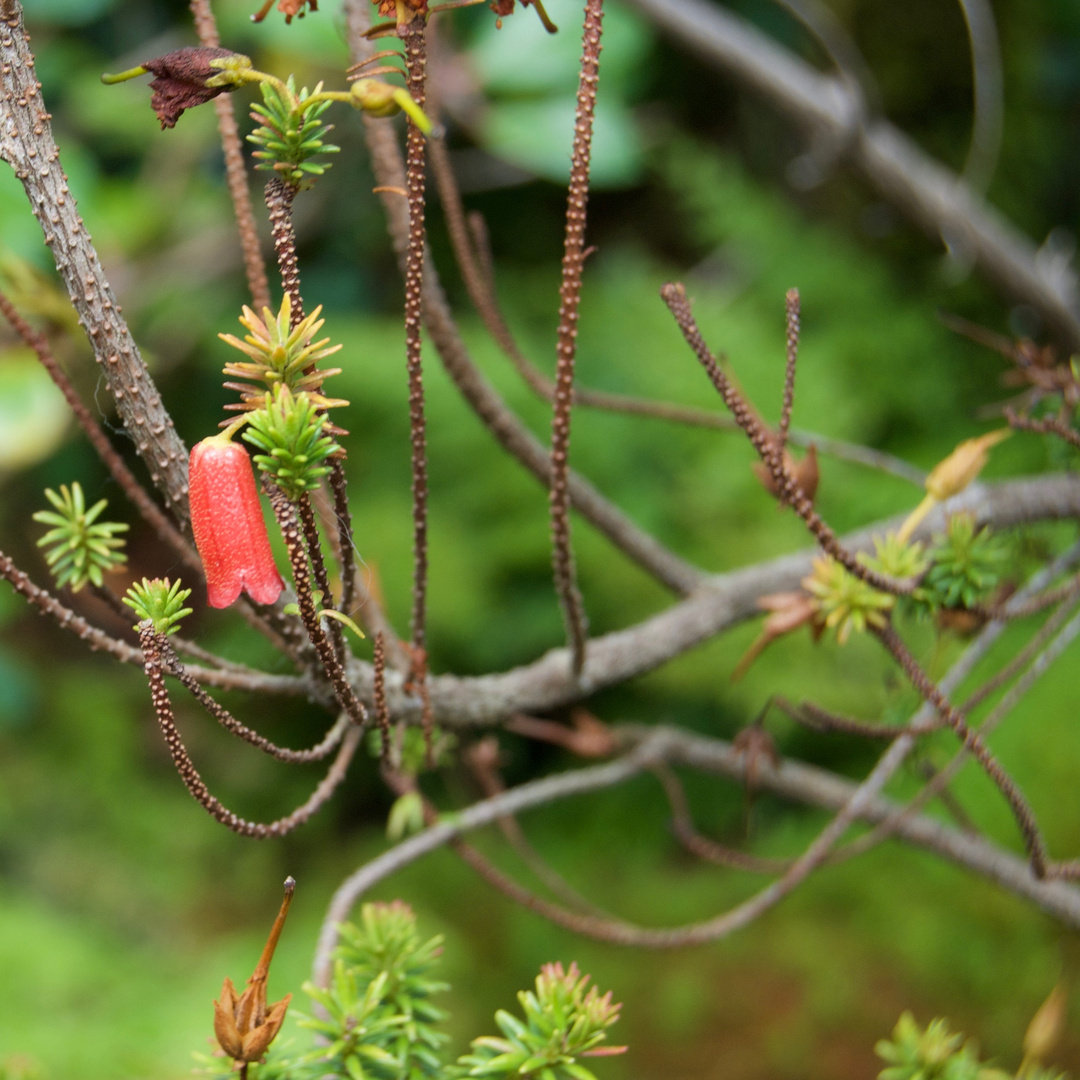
(228, 524)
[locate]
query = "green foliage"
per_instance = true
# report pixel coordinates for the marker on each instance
(562, 1023)
(81, 548)
(847, 603)
(280, 354)
(967, 564)
(937, 1053)
(290, 133)
(896, 557)
(290, 432)
(159, 600)
(376, 1019)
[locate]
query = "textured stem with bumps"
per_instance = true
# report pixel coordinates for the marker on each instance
(235, 172)
(154, 666)
(973, 742)
(279, 200)
(233, 726)
(27, 145)
(96, 638)
(294, 543)
(413, 36)
(674, 295)
(569, 301)
(791, 313)
(318, 567)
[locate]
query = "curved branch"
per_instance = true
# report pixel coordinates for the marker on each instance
(924, 189)
(802, 783)
(26, 144)
(722, 602)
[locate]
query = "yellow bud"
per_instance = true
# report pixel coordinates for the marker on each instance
(1047, 1025)
(374, 97)
(951, 476)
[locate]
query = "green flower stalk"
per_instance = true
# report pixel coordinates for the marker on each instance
(81, 548)
(160, 601)
(289, 431)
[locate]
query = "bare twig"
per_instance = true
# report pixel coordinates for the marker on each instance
(298, 560)
(674, 295)
(413, 35)
(573, 264)
(972, 740)
(154, 667)
(802, 783)
(507, 428)
(229, 722)
(235, 172)
(479, 281)
(791, 323)
(47, 604)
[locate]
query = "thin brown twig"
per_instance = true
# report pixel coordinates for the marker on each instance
(1049, 425)
(972, 740)
(818, 719)
(235, 171)
(482, 759)
(664, 565)
(791, 322)
(291, 532)
(95, 638)
(938, 785)
(1018, 662)
(573, 263)
(382, 713)
(682, 826)
(474, 260)
(318, 569)
(174, 666)
(674, 295)
(154, 667)
(413, 34)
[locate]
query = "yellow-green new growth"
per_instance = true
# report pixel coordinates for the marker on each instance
(81, 548)
(160, 601)
(280, 356)
(846, 602)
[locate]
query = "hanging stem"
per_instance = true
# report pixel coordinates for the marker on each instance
(412, 34)
(570, 299)
(235, 171)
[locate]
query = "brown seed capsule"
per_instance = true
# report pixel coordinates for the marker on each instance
(244, 1024)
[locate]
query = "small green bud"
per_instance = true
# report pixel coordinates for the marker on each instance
(160, 601)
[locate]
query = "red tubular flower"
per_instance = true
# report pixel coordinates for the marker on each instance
(228, 524)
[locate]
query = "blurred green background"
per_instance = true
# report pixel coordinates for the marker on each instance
(122, 906)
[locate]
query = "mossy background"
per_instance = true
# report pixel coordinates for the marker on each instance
(122, 906)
